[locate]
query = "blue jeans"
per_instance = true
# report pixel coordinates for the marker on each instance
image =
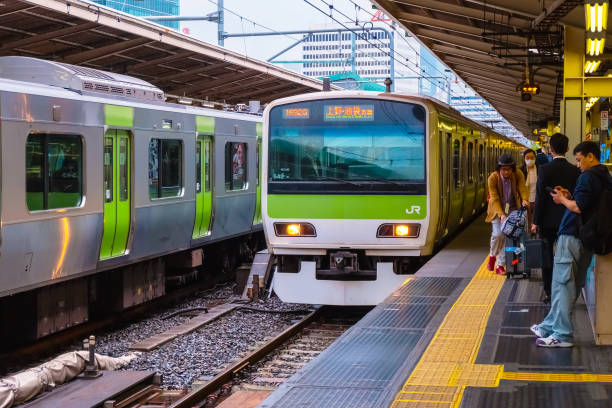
(569, 274)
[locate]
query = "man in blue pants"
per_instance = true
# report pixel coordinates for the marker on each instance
(571, 258)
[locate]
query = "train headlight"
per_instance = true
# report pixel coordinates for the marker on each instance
(294, 229)
(398, 231)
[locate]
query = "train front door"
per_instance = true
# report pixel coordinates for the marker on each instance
(201, 227)
(117, 193)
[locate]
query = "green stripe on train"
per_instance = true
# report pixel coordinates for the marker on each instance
(392, 207)
(122, 116)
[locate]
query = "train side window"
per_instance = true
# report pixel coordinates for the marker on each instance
(54, 171)
(207, 170)
(456, 162)
(235, 166)
(165, 168)
(198, 167)
(481, 159)
(470, 162)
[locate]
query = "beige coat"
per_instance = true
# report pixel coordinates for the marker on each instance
(519, 191)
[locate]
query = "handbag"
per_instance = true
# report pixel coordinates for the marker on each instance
(514, 224)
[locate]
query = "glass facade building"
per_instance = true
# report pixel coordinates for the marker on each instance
(146, 8)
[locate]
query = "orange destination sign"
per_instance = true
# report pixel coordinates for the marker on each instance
(349, 112)
(296, 113)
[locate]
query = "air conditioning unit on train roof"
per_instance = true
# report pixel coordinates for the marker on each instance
(80, 79)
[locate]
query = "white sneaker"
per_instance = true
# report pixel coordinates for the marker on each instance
(536, 330)
(550, 341)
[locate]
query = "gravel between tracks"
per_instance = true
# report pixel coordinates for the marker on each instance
(204, 352)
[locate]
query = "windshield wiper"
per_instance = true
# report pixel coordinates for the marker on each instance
(385, 181)
(338, 179)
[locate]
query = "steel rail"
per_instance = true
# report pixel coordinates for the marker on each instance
(199, 395)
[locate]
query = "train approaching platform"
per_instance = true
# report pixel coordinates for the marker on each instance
(455, 335)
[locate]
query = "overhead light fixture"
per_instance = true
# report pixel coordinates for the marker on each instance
(596, 14)
(595, 46)
(184, 100)
(591, 66)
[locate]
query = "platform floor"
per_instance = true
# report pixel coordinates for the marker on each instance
(455, 335)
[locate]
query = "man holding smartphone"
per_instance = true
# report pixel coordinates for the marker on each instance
(548, 215)
(571, 258)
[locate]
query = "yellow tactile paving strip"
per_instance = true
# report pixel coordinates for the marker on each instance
(447, 365)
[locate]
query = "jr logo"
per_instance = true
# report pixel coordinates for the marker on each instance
(415, 209)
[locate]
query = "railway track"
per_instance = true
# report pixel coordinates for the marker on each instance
(248, 380)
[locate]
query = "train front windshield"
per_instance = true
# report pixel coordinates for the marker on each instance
(352, 145)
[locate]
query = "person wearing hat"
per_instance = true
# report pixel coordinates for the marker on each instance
(507, 192)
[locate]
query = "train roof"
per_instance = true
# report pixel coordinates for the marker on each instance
(57, 80)
(440, 106)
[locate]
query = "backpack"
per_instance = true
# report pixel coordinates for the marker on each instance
(514, 224)
(596, 233)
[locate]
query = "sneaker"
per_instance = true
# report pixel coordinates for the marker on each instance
(550, 341)
(536, 330)
(500, 270)
(491, 264)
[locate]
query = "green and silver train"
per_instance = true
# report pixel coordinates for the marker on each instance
(359, 185)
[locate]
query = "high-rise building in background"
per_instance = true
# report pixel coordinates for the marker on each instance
(141, 8)
(366, 54)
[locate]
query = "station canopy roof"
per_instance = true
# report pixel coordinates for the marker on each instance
(81, 33)
(488, 42)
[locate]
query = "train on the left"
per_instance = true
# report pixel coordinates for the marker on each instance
(98, 173)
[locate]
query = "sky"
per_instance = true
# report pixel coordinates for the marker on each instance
(285, 15)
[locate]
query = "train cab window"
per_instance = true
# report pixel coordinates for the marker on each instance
(165, 168)
(470, 162)
(456, 163)
(235, 166)
(54, 171)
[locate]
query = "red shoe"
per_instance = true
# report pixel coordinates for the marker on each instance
(491, 264)
(500, 270)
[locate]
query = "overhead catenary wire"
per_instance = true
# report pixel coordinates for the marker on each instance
(359, 7)
(365, 38)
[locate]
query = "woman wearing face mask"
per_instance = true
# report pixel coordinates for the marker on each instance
(506, 186)
(530, 171)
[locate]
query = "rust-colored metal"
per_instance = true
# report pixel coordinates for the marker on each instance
(197, 396)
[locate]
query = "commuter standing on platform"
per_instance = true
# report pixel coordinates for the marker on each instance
(541, 158)
(571, 258)
(548, 215)
(530, 171)
(506, 191)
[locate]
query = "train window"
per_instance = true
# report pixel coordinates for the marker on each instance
(198, 167)
(54, 171)
(470, 162)
(456, 162)
(123, 169)
(235, 166)
(207, 175)
(165, 168)
(481, 162)
(108, 170)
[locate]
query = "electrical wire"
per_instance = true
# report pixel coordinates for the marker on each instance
(365, 38)
(254, 22)
(358, 7)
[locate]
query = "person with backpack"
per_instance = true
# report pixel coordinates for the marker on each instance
(507, 192)
(548, 215)
(572, 259)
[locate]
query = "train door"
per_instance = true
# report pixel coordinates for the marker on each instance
(117, 193)
(444, 184)
(203, 187)
(456, 196)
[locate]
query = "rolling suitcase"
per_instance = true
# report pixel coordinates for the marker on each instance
(534, 254)
(515, 259)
